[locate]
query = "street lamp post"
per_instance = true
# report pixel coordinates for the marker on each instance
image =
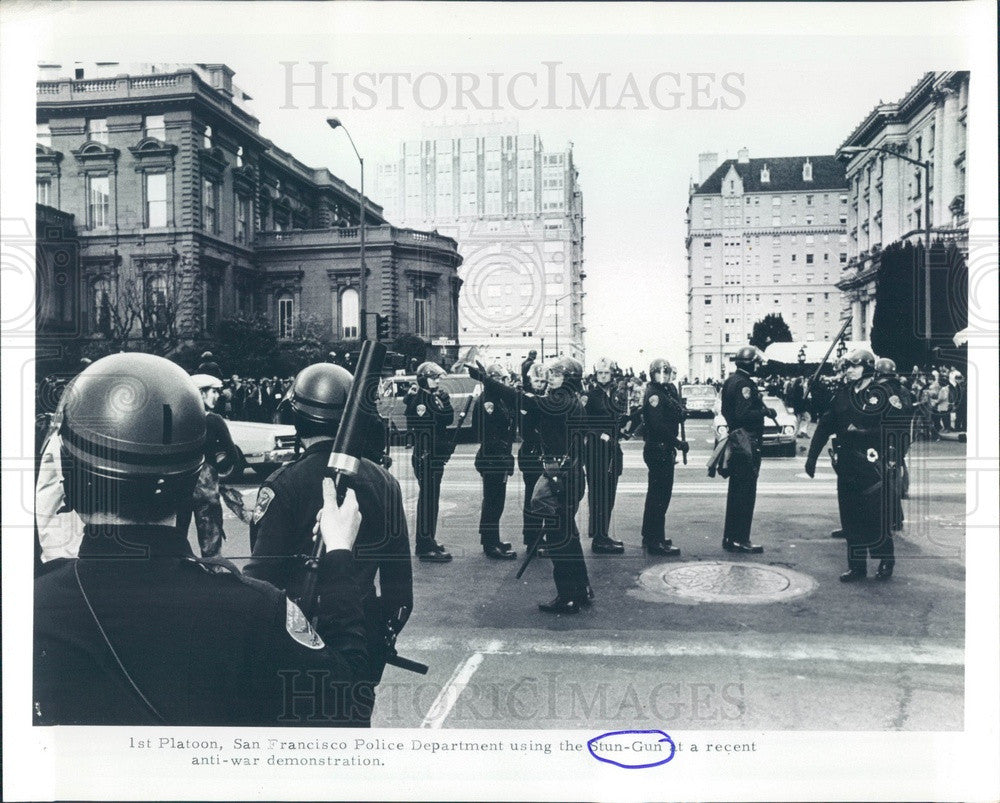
(561, 298)
(851, 150)
(335, 123)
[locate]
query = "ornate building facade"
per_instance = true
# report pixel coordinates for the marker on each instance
(185, 214)
(887, 203)
(763, 236)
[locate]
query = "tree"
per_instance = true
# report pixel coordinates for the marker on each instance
(246, 345)
(771, 329)
(411, 347)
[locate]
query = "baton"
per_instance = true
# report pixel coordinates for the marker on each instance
(528, 556)
(826, 357)
(684, 454)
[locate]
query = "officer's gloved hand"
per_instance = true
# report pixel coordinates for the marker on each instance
(811, 468)
(412, 390)
(684, 446)
(477, 371)
(771, 413)
(339, 524)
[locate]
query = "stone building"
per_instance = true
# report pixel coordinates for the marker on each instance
(185, 215)
(763, 236)
(886, 194)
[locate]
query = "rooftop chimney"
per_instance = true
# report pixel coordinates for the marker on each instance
(743, 156)
(707, 162)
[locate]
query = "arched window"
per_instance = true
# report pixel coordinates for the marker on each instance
(101, 309)
(286, 316)
(350, 314)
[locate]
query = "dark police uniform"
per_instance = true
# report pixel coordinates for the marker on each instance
(493, 421)
(743, 408)
(428, 416)
(605, 410)
(662, 413)
(561, 429)
(530, 464)
(281, 534)
(896, 444)
(253, 662)
(860, 418)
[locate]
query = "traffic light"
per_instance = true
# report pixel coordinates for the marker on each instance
(381, 327)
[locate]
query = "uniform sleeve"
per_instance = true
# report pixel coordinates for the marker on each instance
(510, 396)
(446, 415)
(307, 682)
(224, 450)
(271, 528)
(395, 569)
(741, 411)
(824, 429)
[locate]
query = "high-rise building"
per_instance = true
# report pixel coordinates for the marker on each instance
(184, 214)
(887, 202)
(516, 211)
(763, 236)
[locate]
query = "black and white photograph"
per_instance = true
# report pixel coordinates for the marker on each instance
(500, 401)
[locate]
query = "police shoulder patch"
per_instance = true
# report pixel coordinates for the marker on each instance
(584, 399)
(264, 497)
(746, 393)
(488, 406)
(895, 402)
(654, 400)
(299, 628)
(421, 409)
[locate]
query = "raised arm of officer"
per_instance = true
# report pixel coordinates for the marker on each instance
(824, 429)
(507, 393)
(445, 413)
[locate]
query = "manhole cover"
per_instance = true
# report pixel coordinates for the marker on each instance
(719, 581)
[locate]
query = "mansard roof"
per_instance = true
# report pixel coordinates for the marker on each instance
(786, 175)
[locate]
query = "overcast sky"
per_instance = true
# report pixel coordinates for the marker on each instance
(788, 94)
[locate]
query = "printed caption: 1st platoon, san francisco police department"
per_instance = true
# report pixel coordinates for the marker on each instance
(318, 752)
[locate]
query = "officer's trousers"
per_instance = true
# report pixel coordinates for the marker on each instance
(604, 467)
(532, 523)
(494, 499)
(562, 538)
(659, 460)
(867, 517)
(740, 501)
(429, 477)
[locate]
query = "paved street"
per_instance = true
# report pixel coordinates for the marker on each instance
(867, 656)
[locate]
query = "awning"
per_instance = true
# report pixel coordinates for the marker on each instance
(813, 351)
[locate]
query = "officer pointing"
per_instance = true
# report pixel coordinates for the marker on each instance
(121, 635)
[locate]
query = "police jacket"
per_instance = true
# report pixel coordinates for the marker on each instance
(858, 416)
(283, 521)
(203, 647)
(493, 422)
(742, 404)
(428, 416)
(531, 444)
(662, 413)
(558, 416)
(606, 410)
(220, 451)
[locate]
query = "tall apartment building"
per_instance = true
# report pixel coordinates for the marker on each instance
(516, 211)
(181, 206)
(887, 203)
(763, 236)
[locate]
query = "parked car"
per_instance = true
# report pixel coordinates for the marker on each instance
(778, 435)
(261, 447)
(700, 399)
(392, 393)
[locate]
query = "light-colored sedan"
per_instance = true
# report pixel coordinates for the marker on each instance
(779, 435)
(699, 399)
(262, 447)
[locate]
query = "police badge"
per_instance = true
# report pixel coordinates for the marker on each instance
(746, 393)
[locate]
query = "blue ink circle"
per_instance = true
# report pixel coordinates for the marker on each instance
(665, 738)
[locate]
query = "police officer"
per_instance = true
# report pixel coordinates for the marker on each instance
(281, 531)
(561, 430)
(136, 630)
(743, 408)
(858, 417)
(529, 455)
(526, 367)
(493, 421)
(662, 414)
(896, 433)
(428, 415)
(606, 412)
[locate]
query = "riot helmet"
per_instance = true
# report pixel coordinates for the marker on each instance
(133, 437)
(660, 366)
(318, 396)
(885, 367)
(859, 358)
(566, 371)
(602, 371)
(428, 371)
(748, 358)
(538, 377)
(497, 371)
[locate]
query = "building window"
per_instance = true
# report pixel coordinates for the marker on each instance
(809, 259)
(209, 206)
(206, 139)
(420, 317)
(708, 280)
(843, 219)
(707, 244)
(212, 305)
(97, 130)
(98, 201)
(100, 312)
(843, 259)
(350, 314)
(286, 317)
(156, 200)
(239, 156)
(44, 135)
(794, 257)
(708, 301)
(776, 221)
(153, 126)
(43, 189)
(242, 218)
